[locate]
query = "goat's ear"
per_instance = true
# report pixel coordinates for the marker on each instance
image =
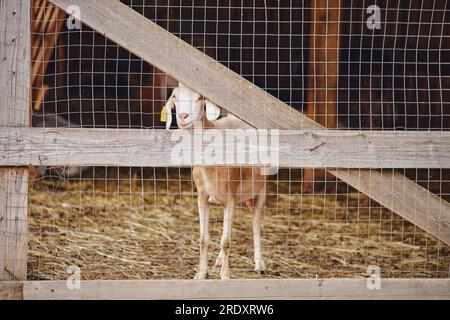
(169, 106)
(212, 111)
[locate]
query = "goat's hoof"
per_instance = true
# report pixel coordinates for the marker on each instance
(219, 260)
(260, 267)
(260, 272)
(225, 276)
(201, 275)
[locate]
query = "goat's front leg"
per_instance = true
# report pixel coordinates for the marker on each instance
(225, 242)
(204, 235)
(259, 203)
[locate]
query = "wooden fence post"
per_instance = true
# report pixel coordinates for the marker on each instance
(14, 112)
(323, 72)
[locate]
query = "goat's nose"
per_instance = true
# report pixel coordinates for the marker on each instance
(183, 116)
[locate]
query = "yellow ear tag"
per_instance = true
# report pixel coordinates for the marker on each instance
(164, 114)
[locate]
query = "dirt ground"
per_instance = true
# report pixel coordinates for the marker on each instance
(143, 224)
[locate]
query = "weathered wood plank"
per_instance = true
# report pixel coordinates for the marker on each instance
(14, 112)
(14, 62)
(11, 290)
(13, 223)
(157, 148)
(170, 54)
(241, 289)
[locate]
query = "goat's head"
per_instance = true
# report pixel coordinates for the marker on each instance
(190, 107)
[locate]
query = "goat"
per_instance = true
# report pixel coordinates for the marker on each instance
(228, 186)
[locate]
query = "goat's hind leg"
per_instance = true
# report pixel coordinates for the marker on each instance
(204, 235)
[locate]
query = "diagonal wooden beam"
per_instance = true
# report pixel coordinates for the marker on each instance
(228, 89)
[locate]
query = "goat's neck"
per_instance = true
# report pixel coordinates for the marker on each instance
(207, 124)
(204, 123)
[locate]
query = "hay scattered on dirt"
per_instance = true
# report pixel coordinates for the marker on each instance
(133, 228)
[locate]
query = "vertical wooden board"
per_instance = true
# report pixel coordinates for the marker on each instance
(323, 65)
(13, 223)
(323, 72)
(15, 52)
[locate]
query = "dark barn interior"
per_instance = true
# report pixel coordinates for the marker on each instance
(393, 78)
(396, 77)
(120, 91)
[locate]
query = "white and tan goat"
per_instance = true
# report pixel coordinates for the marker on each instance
(228, 186)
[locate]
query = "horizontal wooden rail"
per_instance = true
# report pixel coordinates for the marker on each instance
(161, 148)
(353, 289)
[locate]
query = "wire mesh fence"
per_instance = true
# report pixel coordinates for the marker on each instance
(348, 66)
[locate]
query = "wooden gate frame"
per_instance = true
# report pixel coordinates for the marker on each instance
(165, 51)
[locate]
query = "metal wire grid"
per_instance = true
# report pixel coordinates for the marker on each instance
(141, 223)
